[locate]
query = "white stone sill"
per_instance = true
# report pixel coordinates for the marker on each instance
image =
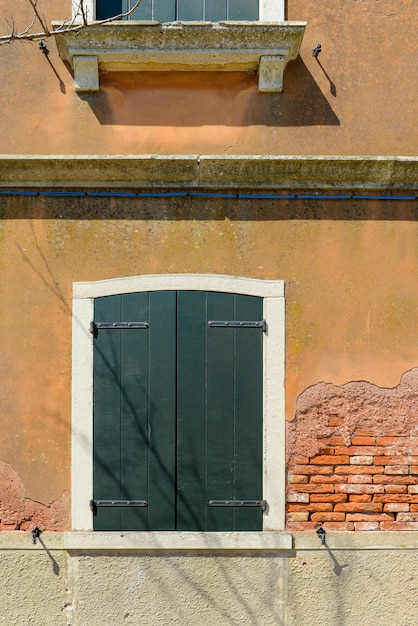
(177, 541)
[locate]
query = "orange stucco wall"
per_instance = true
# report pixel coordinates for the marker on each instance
(351, 271)
(351, 267)
(358, 98)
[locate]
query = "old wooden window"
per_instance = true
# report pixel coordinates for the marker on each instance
(180, 401)
(178, 411)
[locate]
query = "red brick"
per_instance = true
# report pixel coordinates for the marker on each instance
(342, 450)
(360, 498)
(396, 469)
(297, 497)
(301, 526)
(329, 460)
(332, 441)
(399, 526)
(395, 488)
(366, 526)
(359, 507)
(394, 433)
(338, 526)
(413, 489)
(328, 479)
(297, 478)
(326, 450)
(357, 469)
(407, 517)
(360, 480)
(365, 517)
(396, 480)
(332, 497)
(364, 451)
(413, 469)
(298, 516)
(328, 517)
(8, 526)
(335, 421)
(413, 508)
(313, 488)
(308, 469)
(395, 497)
(396, 507)
(361, 432)
(359, 488)
(361, 460)
(391, 460)
(412, 441)
(311, 508)
(300, 460)
(391, 441)
(363, 441)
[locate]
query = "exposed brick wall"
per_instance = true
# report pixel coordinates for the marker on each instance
(369, 484)
(352, 457)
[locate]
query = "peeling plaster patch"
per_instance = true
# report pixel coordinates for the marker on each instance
(24, 513)
(356, 405)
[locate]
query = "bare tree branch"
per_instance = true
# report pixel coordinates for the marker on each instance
(67, 26)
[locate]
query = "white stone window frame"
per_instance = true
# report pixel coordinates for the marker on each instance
(269, 10)
(272, 292)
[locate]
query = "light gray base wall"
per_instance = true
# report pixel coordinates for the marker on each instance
(311, 585)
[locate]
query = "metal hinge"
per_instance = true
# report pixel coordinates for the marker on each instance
(239, 503)
(236, 324)
(95, 326)
(94, 504)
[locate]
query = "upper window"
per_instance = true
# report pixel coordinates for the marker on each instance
(188, 10)
(178, 404)
(183, 10)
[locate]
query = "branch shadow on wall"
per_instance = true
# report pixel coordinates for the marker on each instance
(209, 98)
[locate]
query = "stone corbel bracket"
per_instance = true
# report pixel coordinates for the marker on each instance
(265, 47)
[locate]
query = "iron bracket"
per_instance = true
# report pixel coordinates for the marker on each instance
(95, 326)
(239, 503)
(236, 324)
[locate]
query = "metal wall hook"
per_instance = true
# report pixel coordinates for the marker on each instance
(322, 535)
(36, 532)
(317, 50)
(43, 48)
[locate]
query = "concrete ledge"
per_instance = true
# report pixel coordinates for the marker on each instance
(387, 540)
(181, 541)
(22, 540)
(188, 172)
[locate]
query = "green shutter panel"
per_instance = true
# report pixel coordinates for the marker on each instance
(219, 412)
(134, 412)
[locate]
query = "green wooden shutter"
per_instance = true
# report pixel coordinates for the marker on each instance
(183, 10)
(134, 424)
(178, 412)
